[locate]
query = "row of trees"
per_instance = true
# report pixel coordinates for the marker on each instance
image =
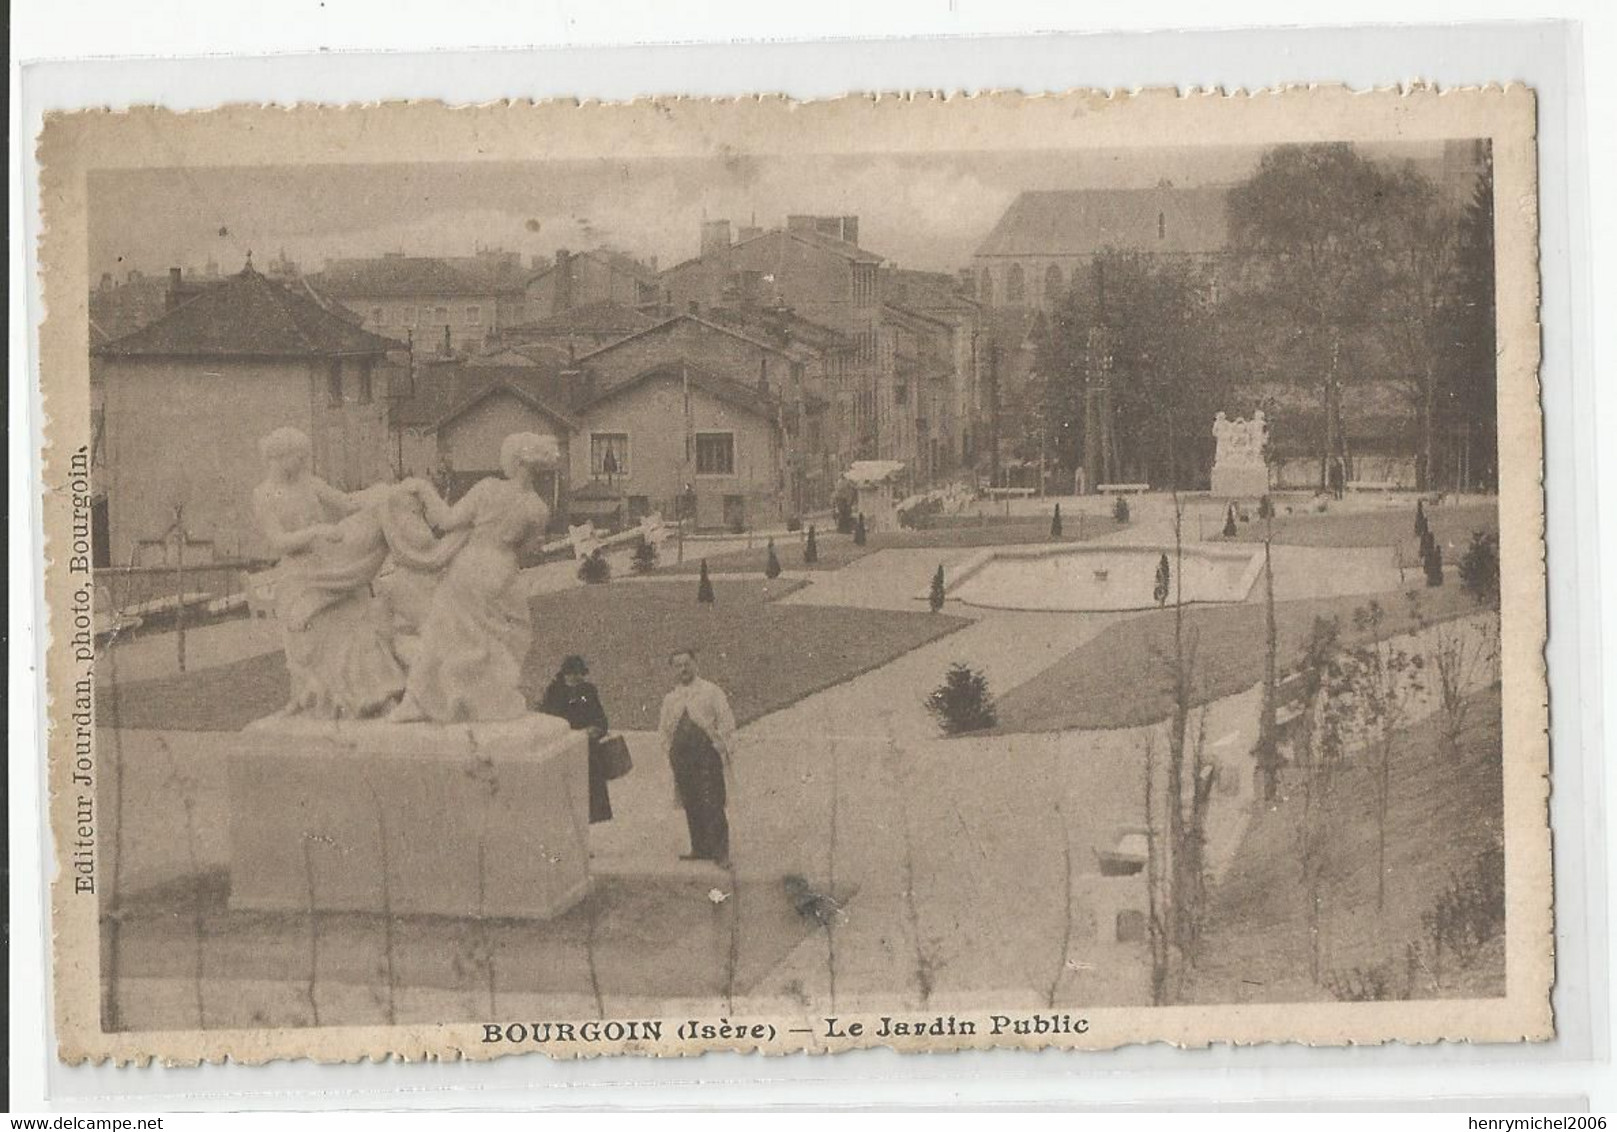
(1339, 269)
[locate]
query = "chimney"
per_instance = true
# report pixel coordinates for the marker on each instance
(715, 235)
(562, 299)
(800, 223)
(176, 289)
(850, 229)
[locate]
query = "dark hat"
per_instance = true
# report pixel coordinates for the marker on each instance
(575, 664)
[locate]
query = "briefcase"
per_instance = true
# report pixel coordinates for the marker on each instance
(612, 751)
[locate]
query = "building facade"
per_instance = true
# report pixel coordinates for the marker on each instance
(430, 303)
(181, 404)
(876, 382)
(677, 437)
(579, 279)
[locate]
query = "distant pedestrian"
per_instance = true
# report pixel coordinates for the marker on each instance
(575, 699)
(698, 733)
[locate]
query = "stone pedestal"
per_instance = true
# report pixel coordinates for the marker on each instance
(479, 819)
(1243, 481)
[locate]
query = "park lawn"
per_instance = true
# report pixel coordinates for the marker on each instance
(1122, 676)
(1444, 812)
(837, 551)
(765, 655)
(1451, 523)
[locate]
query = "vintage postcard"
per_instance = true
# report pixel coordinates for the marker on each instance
(914, 571)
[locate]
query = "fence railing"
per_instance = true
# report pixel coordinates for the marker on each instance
(128, 598)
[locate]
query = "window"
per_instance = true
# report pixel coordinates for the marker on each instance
(440, 315)
(715, 454)
(365, 382)
(609, 453)
(1052, 285)
(334, 383)
(985, 287)
(864, 284)
(1015, 285)
(474, 316)
(867, 345)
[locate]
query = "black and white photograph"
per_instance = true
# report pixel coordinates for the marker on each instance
(1042, 586)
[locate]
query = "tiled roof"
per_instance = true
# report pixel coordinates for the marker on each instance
(1085, 221)
(401, 277)
(925, 291)
(590, 318)
(610, 258)
(249, 316)
(780, 327)
(833, 245)
(519, 388)
(787, 350)
(442, 388)
(744, 397)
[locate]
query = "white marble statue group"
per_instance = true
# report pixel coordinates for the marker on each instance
(393, 603)
(1241, 442)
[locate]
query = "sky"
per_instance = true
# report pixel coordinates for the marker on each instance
(920, 211)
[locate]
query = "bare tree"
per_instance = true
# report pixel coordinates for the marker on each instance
(1268, 749)
(1319, 748)
(1184, 881)
(1460, 657)
(1380, 680)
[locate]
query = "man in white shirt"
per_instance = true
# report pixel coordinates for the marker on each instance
(698, 733)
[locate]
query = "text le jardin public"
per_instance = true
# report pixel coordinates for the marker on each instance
(832, 1028)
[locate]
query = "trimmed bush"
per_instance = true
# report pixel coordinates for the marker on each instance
(1120, 510)
(1434, 566)
(1164, 581)
(1479, 568)
(1421, 525)
(935, 597)
(1055, 522)
(794, 522)
(704, 586)
(772, 562)
(962, 702)
(595, 569)
(644, 560)
(859, 530)
(811, 548)
(1266, 508)
(1229, 522)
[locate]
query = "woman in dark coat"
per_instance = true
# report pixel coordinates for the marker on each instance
(575, 699)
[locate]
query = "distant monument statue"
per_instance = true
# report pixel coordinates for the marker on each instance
(1241, 462)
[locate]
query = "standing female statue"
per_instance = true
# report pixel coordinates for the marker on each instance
(337, 652)
(477, 629)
